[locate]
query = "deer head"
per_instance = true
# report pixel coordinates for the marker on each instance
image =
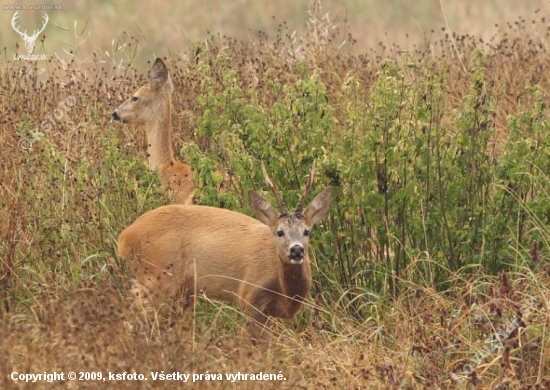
(29, 40)
(291, 230)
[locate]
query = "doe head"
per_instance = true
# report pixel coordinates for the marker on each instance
(150, 102)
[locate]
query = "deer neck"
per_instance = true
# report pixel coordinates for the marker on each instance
(296, 279)
(159, 140)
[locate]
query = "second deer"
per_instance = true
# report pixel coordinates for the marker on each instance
(151, 107)
(260, 264)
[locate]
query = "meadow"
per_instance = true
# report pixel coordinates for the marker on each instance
(431, 270)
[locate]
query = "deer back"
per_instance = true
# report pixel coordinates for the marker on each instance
(199, 248)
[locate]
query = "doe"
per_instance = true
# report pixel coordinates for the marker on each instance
(151, 107)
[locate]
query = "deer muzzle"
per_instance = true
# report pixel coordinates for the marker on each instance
(116, 116)
(296, 254)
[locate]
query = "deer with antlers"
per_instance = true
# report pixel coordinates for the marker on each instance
(29, 40)
(260, 264)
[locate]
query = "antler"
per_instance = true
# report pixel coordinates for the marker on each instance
(271, 185)
(35, 33)
(46, 19)
(13, 20)
(309, 183)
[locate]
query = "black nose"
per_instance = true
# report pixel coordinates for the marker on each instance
(116, 117)
(296, 252)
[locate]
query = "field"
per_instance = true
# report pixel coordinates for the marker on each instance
(431, 270)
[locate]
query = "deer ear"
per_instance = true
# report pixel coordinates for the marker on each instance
(318, 207)
(159, 75)
(263, 211)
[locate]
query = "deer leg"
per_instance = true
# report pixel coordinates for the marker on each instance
(257, 325)
(255, 310)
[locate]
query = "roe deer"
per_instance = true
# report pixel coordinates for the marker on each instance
(262, 265)
(151, 107)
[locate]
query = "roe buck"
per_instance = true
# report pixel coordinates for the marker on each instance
(262, 265)
(151, 107)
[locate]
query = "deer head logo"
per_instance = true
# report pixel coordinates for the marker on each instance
(29, 40)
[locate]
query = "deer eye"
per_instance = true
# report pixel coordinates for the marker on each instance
(134, 98)
(280, 233)
(306, 233)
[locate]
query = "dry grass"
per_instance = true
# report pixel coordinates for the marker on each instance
(65, 294)
(407, 344)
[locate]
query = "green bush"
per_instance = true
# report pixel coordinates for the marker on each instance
(417, 183)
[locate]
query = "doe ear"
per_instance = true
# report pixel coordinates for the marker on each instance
(263, 211)
(318, 208)
(159, 76)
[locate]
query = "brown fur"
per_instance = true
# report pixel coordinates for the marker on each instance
(227, 255)
(151, 106)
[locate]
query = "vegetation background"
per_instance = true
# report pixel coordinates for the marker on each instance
(429, 118)
(163, 27)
